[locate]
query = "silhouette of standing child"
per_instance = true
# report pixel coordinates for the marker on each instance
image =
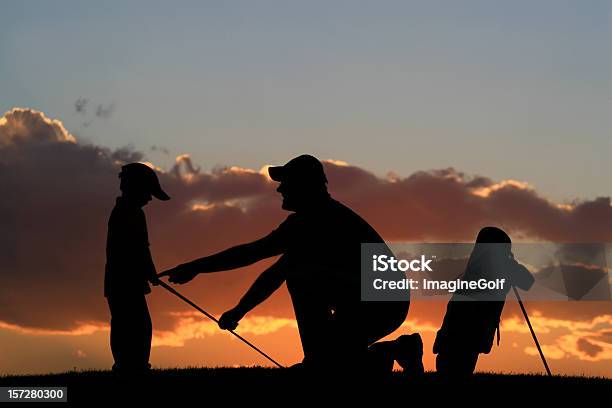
(129, 268)
(472, 316)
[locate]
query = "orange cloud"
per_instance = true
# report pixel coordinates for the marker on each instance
(191, 326)
(585, 340)
(487, 190)
(84, 329)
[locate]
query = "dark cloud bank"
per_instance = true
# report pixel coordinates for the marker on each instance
(56, 195)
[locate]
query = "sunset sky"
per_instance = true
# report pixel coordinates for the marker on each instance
(434, 119)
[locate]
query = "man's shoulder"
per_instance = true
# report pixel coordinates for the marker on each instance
(353, 224)
(340, 210)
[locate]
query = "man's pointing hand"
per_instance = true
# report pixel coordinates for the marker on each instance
(179, 274)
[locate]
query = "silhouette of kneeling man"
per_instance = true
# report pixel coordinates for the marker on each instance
(129, 268)
(320, 246)
(472, 317)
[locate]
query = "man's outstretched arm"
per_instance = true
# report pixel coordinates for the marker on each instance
(266, 284)
(232, 258)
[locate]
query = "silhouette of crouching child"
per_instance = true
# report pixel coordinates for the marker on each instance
(472, 317)
(130, 268)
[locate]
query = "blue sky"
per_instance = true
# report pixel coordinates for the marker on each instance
(506, 89)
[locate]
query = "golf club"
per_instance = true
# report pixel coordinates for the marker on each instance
(211, 317)
(535, 339)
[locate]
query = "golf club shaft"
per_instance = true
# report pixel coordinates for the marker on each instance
(535, 339)
(211, 317)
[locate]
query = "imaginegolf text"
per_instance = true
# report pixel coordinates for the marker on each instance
(450, 286)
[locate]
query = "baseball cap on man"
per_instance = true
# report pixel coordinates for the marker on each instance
(145, 177)
(304, 168)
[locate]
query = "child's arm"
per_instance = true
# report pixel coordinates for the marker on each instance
(150, 271)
